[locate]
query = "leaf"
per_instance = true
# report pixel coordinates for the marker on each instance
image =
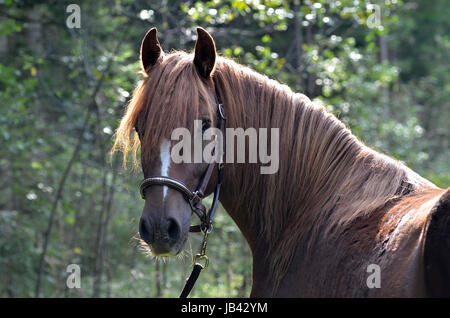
(36, 165)
(266, 39)
(70, 220)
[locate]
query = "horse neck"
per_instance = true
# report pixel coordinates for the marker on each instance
(311, 144)
(326, 175)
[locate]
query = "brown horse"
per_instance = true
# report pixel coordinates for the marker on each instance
(337, 219)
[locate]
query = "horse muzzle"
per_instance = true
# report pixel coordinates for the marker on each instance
(163, 237)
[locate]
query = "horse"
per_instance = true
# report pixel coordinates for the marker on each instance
(337, 219)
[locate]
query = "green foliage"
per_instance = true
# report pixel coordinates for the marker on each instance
(387, 79)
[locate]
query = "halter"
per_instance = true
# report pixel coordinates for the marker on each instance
(194, 198)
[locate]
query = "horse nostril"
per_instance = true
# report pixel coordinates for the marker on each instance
(145, 231)
(173, 230)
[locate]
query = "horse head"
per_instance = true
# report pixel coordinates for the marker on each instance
(178, 94)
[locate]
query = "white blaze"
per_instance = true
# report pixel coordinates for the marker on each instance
(165, 162)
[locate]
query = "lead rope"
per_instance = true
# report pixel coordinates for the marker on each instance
(197, 266)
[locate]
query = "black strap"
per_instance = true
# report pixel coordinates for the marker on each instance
(195, 228)
(190, 282)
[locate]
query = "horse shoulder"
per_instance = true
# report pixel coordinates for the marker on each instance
(403, 232)
(437, 248)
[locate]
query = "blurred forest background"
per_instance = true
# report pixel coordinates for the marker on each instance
(382, 67)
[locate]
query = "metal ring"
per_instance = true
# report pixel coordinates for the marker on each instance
(210, 229)
(222, 112)
(201, 257)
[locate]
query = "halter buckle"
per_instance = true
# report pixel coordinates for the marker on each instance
(195, 198)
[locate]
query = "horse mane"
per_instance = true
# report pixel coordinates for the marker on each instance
(326, 177)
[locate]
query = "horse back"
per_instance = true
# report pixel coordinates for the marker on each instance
(436, 248)
(408, 240)
(414, 245)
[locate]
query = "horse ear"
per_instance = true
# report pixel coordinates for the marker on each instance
(150, 49)
(205, 53)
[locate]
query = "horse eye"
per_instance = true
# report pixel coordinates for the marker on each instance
(206, 123)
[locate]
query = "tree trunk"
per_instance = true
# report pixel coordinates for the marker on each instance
(228, 260)
(157, 279)
(34, 30)
(3, 41)
(310, 83)
(298, 38)
(58, 196)
(384, 58)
